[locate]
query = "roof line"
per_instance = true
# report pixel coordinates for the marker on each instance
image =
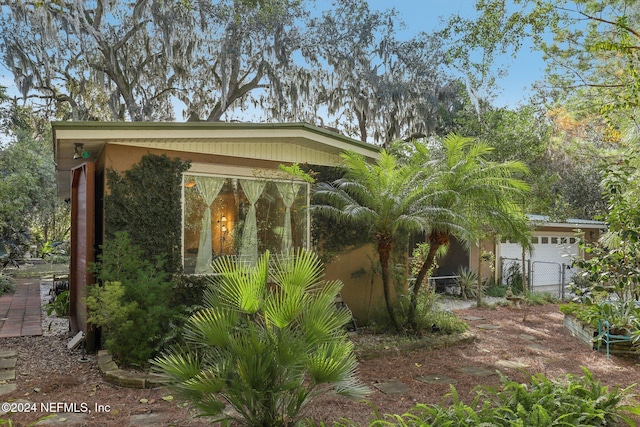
(71, 125)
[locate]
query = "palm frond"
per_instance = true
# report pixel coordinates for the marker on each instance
(281, 308)
(211, 326)
(204, 382)
(259, 357)
(297, 269)
(239, 286)
(178, 365)
(333, 362)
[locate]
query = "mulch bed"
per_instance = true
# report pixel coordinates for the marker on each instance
(533, 337)
(528, 341)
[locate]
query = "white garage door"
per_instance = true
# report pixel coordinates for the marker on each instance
(550, 252)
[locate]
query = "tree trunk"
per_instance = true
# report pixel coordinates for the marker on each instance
(479, 294)
(385, 247)
(524, 273)
(436, 240)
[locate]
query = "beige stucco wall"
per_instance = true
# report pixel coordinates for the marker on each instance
(488, 270)
(358, 269)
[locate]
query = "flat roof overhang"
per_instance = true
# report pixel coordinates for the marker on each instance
(196, 137)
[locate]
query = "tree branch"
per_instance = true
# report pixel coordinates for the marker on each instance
(606, 21)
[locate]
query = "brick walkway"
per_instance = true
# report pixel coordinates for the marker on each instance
(20, 314)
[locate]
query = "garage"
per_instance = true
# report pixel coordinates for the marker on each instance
(554, 246)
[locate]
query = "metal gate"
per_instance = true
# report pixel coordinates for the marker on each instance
(542, 276)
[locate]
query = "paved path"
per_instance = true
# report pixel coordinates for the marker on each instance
(20, 314)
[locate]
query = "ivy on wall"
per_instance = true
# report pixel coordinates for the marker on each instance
(328, 236)
(145, 201)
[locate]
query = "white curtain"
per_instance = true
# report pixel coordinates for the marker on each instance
(208, 189)
(249, 243)
(288, 192)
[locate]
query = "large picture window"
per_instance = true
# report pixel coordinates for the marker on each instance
(241, 217)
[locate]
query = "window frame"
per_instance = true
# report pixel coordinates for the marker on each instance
(183, 201)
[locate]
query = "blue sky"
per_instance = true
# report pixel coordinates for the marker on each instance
(426, 15)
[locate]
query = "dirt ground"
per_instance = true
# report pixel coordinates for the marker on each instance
(48, 372)
(540, 342)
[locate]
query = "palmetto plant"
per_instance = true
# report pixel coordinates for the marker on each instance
(467, 280)
(268, 340)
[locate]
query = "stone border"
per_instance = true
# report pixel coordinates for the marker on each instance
(582, 331)
(131, 379)
(114, 375)
(429, 342)
(588, 335)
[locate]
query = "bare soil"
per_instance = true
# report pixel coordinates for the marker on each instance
(534, 337)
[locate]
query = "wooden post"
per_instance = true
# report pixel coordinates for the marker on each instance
(524, 272)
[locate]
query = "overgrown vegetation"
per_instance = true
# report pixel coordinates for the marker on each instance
(131, 301)
(30, 212)
(145, 201)
(7, 284)
(60, 305)
(568, 401)
(430, 319)
(268, 340)
(608, 285)
(445, 188)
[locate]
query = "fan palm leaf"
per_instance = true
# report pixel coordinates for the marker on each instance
(241, 287)
(258, 356)
(178, 365)
(210, 326)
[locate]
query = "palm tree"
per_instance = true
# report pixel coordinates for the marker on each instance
(268, 340)
(386, 196)
(484, 195)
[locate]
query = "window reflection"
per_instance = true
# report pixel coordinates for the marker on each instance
(241, 217)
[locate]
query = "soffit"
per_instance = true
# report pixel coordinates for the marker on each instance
(287, 143)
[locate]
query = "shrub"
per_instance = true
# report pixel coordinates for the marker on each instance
(266, 342)
(621, 315)
(429, 316)
(569, 401)
(443, 322)
(540, 298)
(7, 284)
(468, 282)
(495, 289)
(586, 313)
(572, 400)
(60, 305)
(513, 277)
(131, 302)
(189, 290)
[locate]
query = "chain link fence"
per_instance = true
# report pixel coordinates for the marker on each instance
(542, 276)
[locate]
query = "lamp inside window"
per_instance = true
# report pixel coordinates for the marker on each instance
(79, 152)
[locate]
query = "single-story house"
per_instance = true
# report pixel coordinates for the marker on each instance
(231, 163)
(232, 192)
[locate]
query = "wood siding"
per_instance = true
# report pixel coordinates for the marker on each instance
(82, 246)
